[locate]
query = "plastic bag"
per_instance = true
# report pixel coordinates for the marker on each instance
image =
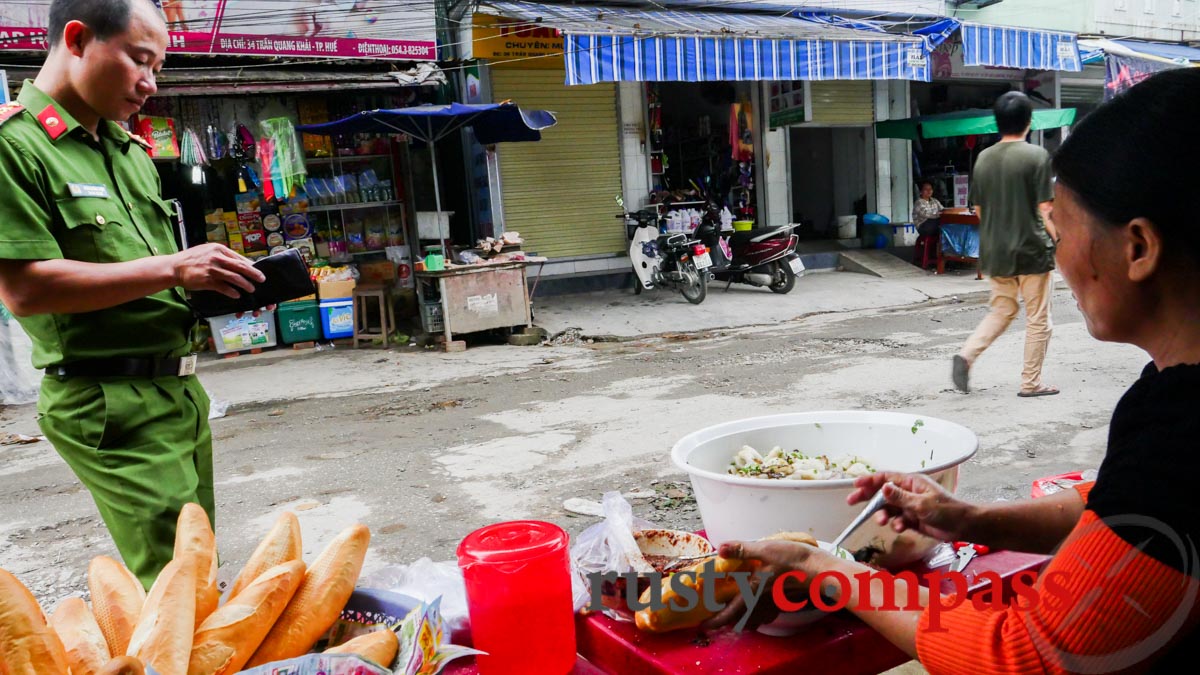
(607, 546)
(19, 381)
(427, 581)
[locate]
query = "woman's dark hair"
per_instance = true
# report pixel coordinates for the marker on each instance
(1136, 157)
(1013, 112)
(106, 18)
(923, 183)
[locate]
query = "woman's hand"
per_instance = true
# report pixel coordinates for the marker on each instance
(916, 502)
(777, 558)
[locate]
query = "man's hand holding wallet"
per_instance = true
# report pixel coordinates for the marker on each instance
(224, 282)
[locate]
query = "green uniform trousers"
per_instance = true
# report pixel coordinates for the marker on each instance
(143, 448)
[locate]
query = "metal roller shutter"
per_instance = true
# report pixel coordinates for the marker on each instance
(842, 102)
(1073, 95)
(558, 193)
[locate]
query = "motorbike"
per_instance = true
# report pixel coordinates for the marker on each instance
(760, 257)
(670, 260)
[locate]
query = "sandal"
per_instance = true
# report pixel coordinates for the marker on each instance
(1042, 390)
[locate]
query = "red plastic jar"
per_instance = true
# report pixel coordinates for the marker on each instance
(518, 578)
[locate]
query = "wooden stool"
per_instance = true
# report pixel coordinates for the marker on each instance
(387, 318)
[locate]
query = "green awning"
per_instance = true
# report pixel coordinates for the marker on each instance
(965, 123)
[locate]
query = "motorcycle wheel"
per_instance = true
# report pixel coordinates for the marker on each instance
(696, 291)
(785, 283)
(637, 287)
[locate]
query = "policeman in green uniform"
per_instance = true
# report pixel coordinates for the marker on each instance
(89, 266)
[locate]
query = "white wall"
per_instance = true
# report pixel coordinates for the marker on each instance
(635, 166)
(779, 197)
(1168, 20)
(1171, 20)
(893, 157)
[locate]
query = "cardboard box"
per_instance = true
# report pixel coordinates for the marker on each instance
(377, 272)
(331, 290)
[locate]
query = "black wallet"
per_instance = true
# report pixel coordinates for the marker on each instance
(287, 279)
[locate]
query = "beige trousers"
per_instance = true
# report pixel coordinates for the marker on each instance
(1035, 290)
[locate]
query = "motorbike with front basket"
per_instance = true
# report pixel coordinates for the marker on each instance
(665, 259)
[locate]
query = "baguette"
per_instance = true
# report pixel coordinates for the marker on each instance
(318, 602)
(87, 650)
(28, 646)
(725, 589)
(117, 600)
(123, 665)
(194, 535)
(282, 544)
(163, 637)
(228, 638)
(380, 647)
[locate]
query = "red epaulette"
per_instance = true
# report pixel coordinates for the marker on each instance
(9, 110)
(147, 145)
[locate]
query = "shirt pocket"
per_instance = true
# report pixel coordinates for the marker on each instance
(97, 230)
(158, 218)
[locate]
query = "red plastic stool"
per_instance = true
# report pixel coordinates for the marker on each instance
(925, 253)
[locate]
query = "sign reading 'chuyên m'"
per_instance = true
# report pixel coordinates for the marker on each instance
(363, 29)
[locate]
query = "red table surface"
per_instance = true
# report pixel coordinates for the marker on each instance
(839, 640)
(959, 217)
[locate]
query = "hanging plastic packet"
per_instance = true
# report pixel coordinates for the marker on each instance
(288, 167)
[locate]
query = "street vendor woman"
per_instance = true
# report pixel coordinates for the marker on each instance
(89, 266)
(1125, 547)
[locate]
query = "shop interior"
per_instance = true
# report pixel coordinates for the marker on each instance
(701, 144)
(832, 176)
(939, 160)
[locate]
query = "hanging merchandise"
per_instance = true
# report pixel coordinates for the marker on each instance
(287, 166)
(191, 153)
(215, 141)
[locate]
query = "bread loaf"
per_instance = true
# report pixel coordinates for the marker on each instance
(28, 646)
(194, 536)
(87, 650)
(163, 637)
(318, 602)
(123, 665)
(725, 589)
(380, 646)
(117, 599)
(282, 544)
(228, 638)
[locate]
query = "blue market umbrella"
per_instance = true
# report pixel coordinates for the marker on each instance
(491, 122)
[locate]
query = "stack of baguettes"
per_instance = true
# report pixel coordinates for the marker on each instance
(276, 609)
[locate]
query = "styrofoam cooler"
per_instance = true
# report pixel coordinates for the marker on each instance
(847, 227)
(233, 334)
(904, 234)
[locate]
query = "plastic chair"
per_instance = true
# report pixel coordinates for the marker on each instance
(925, 253)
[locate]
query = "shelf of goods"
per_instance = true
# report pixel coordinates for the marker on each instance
(355, 204)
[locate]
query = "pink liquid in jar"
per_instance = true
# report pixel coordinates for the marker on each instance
(518, 579)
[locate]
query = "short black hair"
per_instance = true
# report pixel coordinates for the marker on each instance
(1133, 157)
(923, 183)
(1013, 113)
(106, 18)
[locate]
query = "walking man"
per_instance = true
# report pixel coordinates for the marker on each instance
(89, 266)
(1013, 192)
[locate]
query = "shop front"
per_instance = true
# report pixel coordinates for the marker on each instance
(697, 107)
(240, 78)
(951, 119)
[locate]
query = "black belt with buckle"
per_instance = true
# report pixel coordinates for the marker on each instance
(175, 367)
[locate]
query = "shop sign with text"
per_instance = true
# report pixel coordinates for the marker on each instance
(361, 29)
(499, 39)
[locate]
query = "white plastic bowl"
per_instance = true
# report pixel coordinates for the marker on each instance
(739, 508)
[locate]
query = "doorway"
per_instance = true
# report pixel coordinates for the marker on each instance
(832, 175)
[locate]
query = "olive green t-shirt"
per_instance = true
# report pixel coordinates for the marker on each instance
(1008, 183)
(70, 195)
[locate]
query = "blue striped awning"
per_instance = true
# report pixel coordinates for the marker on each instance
(1025, 48)
(609, 44)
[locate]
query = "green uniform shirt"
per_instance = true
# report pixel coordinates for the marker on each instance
(69, 195)
(1008, 182)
